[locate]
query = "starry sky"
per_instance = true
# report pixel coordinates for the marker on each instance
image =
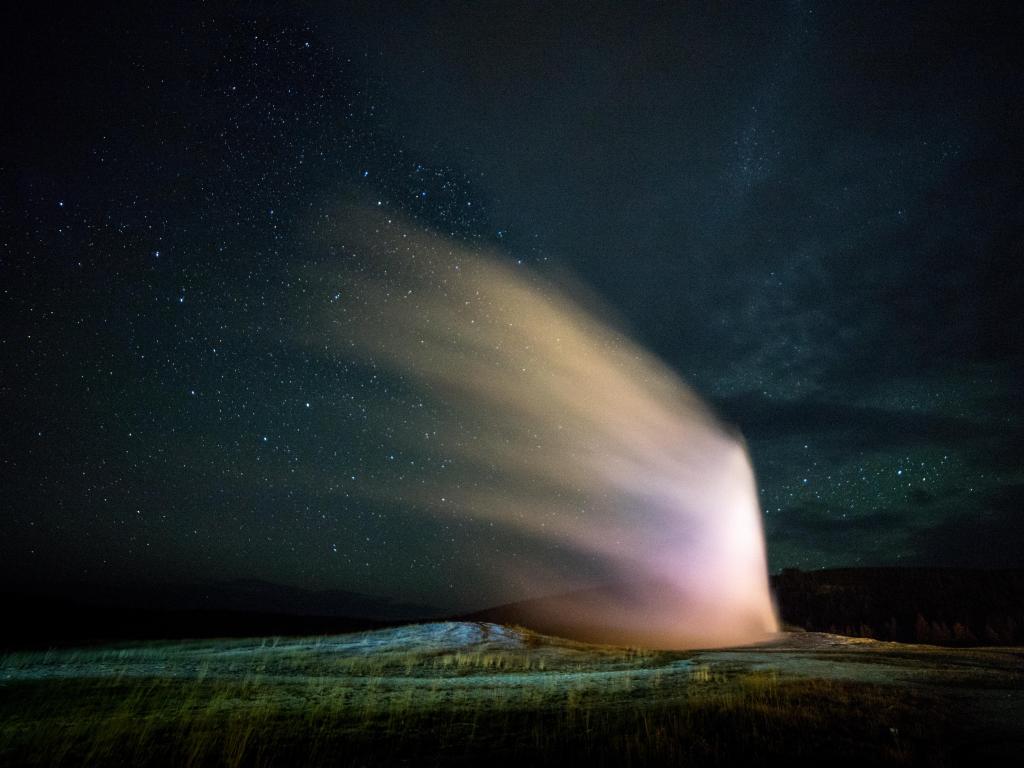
(812, 212)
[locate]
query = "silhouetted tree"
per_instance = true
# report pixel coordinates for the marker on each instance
(922, 632)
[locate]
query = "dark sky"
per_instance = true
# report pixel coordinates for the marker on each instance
(813, 212)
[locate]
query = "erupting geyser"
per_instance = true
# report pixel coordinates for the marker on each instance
(622, 510)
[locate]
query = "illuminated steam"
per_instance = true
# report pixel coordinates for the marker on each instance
(613, 493)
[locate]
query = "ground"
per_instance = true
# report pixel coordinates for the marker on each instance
(463, 692)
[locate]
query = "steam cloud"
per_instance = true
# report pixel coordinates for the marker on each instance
(630, 513)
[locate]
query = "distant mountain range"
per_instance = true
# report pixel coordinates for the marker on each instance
(257, 596)
(942, 606)
(62, 615)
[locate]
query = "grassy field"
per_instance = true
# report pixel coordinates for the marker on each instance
(463, 693)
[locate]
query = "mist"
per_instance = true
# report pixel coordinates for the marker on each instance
(621, 508)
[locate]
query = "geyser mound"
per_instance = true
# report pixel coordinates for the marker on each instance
(588, 461)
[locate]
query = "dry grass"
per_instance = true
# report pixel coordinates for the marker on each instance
(166, 722)
(307, 703)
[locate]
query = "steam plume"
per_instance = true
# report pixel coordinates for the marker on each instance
(638, 509)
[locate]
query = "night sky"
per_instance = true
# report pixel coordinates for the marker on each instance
(812, 212)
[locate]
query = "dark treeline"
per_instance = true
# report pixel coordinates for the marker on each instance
(942, 606)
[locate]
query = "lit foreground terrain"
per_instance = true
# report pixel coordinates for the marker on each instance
(469, 692)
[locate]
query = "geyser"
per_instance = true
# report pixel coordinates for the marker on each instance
(622, 509)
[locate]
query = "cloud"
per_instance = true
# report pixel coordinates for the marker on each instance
(834, 531)
(859, 426)
(992, 536)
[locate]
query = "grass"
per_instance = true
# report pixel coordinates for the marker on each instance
(313, 702)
